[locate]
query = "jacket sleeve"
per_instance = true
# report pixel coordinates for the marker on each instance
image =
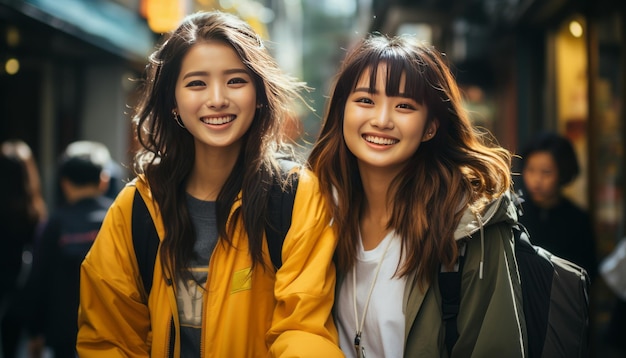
(491, 320)
(113, 320)
(302, 324)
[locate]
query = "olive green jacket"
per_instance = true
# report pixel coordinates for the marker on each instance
(491, 319)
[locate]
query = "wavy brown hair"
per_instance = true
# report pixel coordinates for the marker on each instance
(167, 151)
(456, 169)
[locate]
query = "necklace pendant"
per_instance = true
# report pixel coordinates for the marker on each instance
(357, 343)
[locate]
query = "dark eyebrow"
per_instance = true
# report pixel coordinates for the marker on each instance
(227, 72)
(195, 73)
(236, 70)
(368, 90)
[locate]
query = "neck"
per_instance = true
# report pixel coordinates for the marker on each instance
(548, 203)
(210, 172)
(374, 220)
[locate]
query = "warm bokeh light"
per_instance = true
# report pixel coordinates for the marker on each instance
(575, 28)
(163, 15)
(12, 66)
(12, 36)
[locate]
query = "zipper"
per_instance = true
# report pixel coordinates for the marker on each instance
(172, 341)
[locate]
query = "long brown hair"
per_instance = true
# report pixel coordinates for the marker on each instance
(445, 176)
(167, 151)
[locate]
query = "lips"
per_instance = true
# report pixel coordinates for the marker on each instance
(380, 140)
(217, 120)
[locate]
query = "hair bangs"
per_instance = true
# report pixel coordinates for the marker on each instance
(399, 67)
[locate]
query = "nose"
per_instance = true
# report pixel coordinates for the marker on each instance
(382, 118)
(217, 97)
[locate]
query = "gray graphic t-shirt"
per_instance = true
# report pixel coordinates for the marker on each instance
(190, 296)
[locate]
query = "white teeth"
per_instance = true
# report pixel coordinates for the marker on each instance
(380, 140)
(217, 120)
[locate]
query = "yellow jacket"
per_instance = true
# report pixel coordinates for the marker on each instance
(246, 314)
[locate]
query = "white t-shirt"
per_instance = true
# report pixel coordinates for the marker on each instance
(383, 331)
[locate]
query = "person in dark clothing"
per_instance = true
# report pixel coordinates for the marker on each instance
(114, 178)
(554, 222)
(21, 212)
(53, 287)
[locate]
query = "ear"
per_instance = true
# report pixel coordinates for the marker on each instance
(430, 130)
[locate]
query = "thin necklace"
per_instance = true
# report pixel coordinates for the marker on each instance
(360, 350)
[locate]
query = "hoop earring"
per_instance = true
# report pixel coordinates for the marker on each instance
(177, 119)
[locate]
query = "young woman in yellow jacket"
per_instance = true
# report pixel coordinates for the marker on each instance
(209, 123)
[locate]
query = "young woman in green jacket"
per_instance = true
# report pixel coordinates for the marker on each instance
(413, 188)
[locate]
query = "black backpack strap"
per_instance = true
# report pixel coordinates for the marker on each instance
(279, 210)
(450, 288)
(536, 272)
(145, 241)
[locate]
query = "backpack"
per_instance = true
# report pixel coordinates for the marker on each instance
(555, 295)
(146, 240)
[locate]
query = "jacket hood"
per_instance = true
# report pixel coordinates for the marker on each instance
(501, 209)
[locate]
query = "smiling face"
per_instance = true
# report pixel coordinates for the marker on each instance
(215, 96)
(384, 132)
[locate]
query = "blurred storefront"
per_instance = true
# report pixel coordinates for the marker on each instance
(66, 75)
(532, 65)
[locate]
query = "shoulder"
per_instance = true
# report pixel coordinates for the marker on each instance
(305, 174)
(307, 180)
(138, 184)
(572, 208)
(124, 200)
(309, 198)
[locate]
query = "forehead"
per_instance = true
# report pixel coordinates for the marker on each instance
(212, 54)
(542, 159)
(379, 77)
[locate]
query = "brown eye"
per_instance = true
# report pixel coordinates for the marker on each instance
(364, 100)
(195, 84)
(237, 81)
(406, 106)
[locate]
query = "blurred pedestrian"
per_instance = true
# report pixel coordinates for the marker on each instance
(113, 173)
(210, 123)
(21, 212)
(549, 163)
(51, 295)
